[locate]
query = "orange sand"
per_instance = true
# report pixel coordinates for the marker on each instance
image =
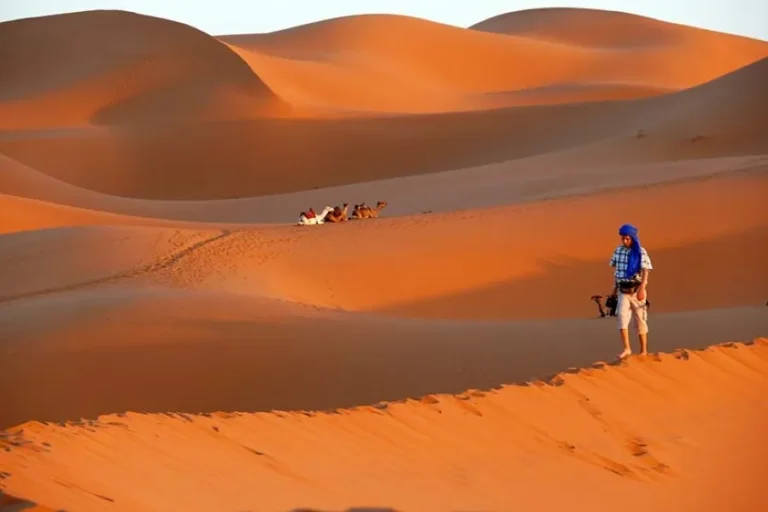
(153, 281)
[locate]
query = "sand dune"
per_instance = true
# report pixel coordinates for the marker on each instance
(642, 447)
(596, 28)
(114, 346)
(584, 170)
(105, 67)
(158, 162)
(153, 281)
(173, 72)
(421, 269)
(355, 62)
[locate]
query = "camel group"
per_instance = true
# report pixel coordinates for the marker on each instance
(340, 213)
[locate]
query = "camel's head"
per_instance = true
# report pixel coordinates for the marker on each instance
(381, 204)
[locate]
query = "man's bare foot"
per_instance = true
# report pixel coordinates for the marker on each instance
(644, 353)
(627, 352)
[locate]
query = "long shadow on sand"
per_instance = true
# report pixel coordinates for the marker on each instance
(562, 288)
(308, 364)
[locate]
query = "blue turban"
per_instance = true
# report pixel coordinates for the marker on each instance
(633, 263)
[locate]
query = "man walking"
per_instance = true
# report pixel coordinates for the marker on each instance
(632, 266)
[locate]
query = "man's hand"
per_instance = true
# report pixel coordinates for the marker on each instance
(641, 292)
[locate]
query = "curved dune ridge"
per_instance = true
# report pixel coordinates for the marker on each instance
(74, 69)
(398, 63)
(172, 340)
(448, 75)
(114, 67)
(440, 452)
(597, 28)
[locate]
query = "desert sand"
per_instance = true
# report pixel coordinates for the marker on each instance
(171, 339)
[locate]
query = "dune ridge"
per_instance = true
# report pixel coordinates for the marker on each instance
(435, 67)
(117, 67)
(595, 27)
(436, 442)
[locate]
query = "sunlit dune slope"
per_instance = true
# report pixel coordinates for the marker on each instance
(622, 428)
(388, 63)
(116, 67)
(23, 214)
(505, 262)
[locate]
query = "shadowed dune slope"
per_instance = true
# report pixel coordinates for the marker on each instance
(259, 157)
(518, 181)
(734, 105)
(724, 117)
(117, 67)
(620, 428)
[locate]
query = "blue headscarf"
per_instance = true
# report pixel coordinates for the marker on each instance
(633, 264)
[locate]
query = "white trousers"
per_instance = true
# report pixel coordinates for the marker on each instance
(631, 308)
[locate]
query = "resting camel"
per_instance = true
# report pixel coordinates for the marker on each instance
(338, 214)
(363, 211)
(309, 218)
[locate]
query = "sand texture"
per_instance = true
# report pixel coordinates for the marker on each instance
(172, 339)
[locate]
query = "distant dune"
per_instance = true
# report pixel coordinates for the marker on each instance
(356, 62)
(171, 339)
(597, 28)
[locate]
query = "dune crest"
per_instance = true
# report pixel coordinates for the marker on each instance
(355, 63)
(434, 450)
(117, 67)
(596, 28)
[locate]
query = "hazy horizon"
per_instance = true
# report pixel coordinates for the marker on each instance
(741, 17)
